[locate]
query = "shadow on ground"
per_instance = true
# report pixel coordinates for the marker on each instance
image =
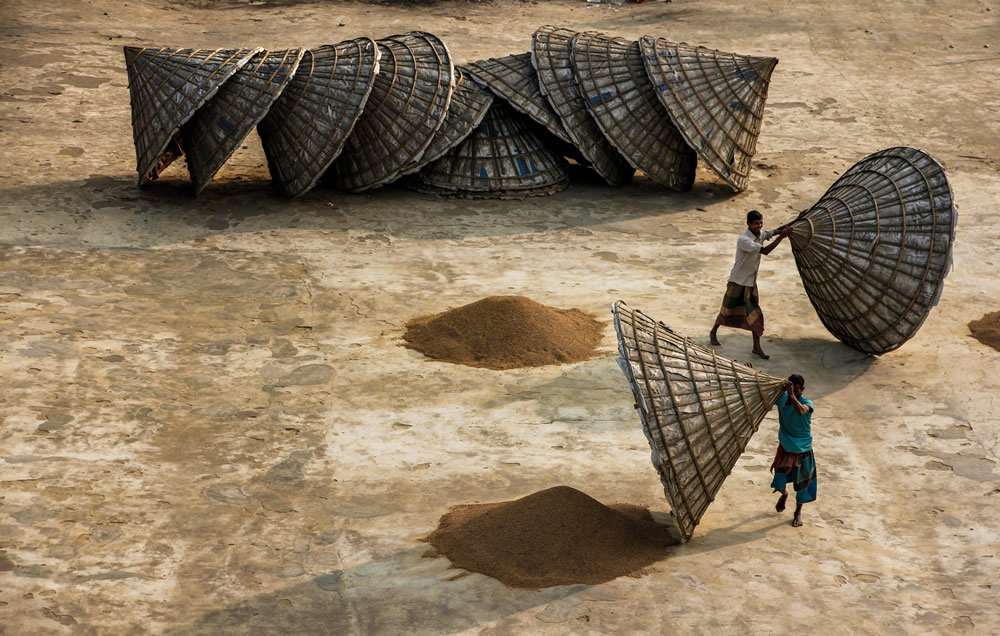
(409, 593)
(406, 593)
(166, 212)
(594, 395)
(730, 535)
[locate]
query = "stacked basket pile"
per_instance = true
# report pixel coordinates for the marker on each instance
(363, 113)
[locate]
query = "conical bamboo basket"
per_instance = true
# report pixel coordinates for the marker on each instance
(221, 125)
(166, 87)
(515, 79)
(310, 122)
(408, 104)
(716, 100)
(873, 253)
(468, 106)
(613, 82)
(502, 158)
(698, 409)
(551, 55)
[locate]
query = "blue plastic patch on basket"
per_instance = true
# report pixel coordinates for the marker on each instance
(600, 99)
(749, 75)
(277, 72)
(705, 136)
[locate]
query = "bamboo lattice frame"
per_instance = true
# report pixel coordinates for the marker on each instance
(468, 107)
(698, 409)
(408, 104)
(224, 121)
(167, 86)
(502, 158)
(873, 253)
(551, 55)
(307, 126)
(716, 100)
(619, 96)
(515, 79)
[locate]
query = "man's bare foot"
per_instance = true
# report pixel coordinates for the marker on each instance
(714, 340)
(760, 354)
(797, 522)
(780, 506)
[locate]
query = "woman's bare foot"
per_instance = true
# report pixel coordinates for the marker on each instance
(797, 522)
(780, 506)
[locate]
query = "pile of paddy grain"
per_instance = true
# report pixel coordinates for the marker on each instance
(558, 536)
(506, 332)
(987, 329)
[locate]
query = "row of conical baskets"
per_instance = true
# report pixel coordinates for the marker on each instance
(873, 254)
(363, 113)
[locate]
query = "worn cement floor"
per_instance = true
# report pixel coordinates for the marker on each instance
(208, 424)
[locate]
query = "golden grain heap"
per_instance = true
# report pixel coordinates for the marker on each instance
(557, 536)
(506, 332)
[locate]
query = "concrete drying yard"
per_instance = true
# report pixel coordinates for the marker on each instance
(208, 424)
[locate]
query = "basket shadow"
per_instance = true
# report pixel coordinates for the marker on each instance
(405, 593)
(827, 365)
(728, 536)
(114, 208)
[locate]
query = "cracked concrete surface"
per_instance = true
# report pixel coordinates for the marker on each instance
(208, 424)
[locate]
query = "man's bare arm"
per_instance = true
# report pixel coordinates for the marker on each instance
(799, 407)
(767, 249)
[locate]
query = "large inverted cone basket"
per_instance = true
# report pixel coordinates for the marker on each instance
(310, 122)
(468, 106)
(515, 79)
(698, 409)
(501, 159)
(221, 125)
(167, 87)
(619, 96)
(716, 100)
(874, 251)
(408, 104)
(551, 55)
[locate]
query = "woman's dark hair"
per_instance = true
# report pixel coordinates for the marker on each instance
(797, 380)
(753, 215)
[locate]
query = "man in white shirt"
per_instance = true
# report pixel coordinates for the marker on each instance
(740, 305)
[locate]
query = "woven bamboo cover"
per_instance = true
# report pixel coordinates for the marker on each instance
(468, 106)
(502, 158)
(621, 99)
(310, 122)
(515, 79)
(698, 409)
(166, 87)
(408, 104)
(221, 125)
(716, 99)
(551, 55)
(874, 251)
